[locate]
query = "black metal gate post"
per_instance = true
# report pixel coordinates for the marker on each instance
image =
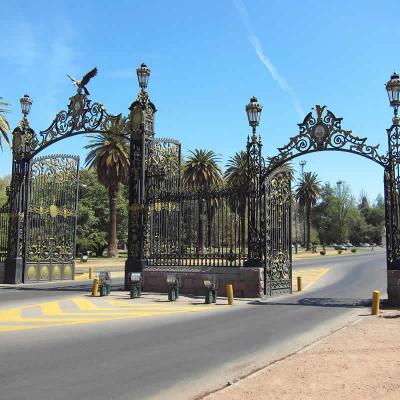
(141, 121)
(24, 142)
(392, 193)
(254, 212)
(255, 167)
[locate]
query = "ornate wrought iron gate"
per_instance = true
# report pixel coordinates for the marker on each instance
(192, 226)
(51, 218)
(4, 225)
(277, 230)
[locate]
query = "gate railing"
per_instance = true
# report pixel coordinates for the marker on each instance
(4, 226)
(198, 227)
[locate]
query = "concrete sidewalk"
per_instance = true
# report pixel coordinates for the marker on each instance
(359, 362)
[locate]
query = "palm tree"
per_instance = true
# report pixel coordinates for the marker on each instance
(109, 155)
(236, 176)
(308, 191)
(4, 125)
(201, 170)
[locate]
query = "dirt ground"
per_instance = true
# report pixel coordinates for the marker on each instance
(358, 362)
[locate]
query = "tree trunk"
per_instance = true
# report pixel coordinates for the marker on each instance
(308, 227)
(243, 229)
(210, 217)
(200, 233)
(112, 236)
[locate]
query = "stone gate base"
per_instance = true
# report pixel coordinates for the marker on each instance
(393, 287)
(247, 282)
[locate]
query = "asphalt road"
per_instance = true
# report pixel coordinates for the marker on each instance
(174, 357)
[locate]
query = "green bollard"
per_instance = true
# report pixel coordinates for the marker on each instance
(172, 294)
(135, 291)
(209, 297)
(103, 290)
(214, 296)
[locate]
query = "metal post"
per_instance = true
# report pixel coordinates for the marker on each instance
(339, 185)
(302, 164)
(141, 135)
(254, 157)
(24, 141)
(14, 264)
(392, 191)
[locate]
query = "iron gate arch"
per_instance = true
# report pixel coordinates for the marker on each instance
(321, 130)
(27, 257)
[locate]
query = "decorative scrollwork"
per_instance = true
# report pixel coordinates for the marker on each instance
(277, 211)
(82, 116)
(323, 131)
(51, 215)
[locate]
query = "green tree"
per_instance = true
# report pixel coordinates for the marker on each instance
(308, 191)
(4, 125)
(236, 176)
(109, 156)
(93, 215)
(201, 170)
(4, 183)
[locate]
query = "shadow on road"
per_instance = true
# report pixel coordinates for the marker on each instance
(319, 302)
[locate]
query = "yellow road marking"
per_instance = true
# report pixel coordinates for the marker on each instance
(50, 314)
(52, 308)
(310, 276)
(84, 305)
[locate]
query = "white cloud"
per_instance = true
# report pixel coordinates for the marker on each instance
(265, 60)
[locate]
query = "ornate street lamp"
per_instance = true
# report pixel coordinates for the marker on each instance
(24, 142)
(24, 139)
(26, 104)
(255, 168)
(393, 91)
(253, 110)
(143, 73)
(141, 118)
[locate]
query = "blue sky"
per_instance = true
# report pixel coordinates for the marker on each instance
(207, 58)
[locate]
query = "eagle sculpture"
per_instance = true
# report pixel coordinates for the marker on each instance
(81, 85)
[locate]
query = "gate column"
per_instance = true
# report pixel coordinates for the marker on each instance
(141, 138)
(255, 239)
(392, 193)
(24, 142)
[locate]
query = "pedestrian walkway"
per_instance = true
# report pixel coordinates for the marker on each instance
(357, 362)
(87, 310)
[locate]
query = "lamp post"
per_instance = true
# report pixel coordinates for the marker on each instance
(141, 120)
(339, 187)
(392, 192)
(255, 165)
(23, 143)
(302, 164)
(253, 110)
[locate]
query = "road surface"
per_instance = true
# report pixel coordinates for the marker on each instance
(178, 356)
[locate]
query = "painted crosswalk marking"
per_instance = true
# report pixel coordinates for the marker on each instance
(86, 310)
